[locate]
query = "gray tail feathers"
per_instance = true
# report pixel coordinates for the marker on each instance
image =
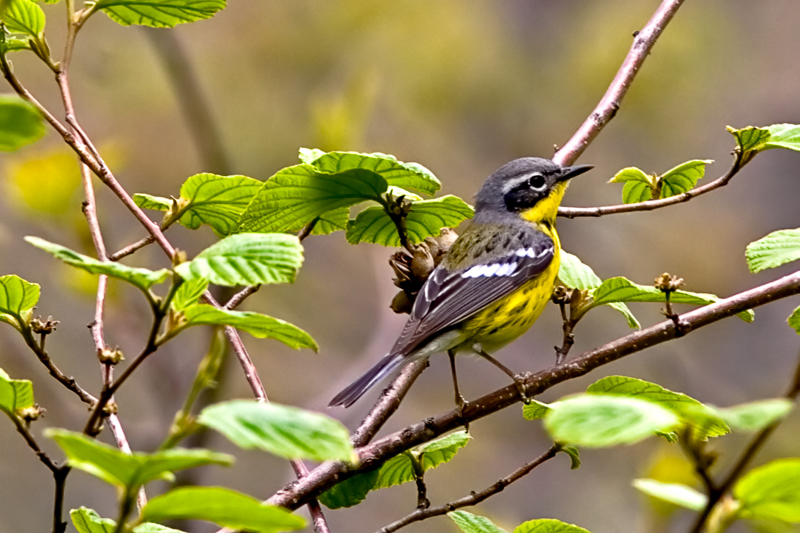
(355, 390)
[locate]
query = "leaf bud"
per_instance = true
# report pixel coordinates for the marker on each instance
(401, 303)
(668, 283)
(422, 263)
(107, 356)
(29, 414)
(44, 327)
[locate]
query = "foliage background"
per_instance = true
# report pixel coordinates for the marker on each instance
(460, 87)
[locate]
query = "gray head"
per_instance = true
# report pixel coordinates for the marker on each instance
(521, 183)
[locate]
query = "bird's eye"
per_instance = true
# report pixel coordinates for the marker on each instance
(537, 182)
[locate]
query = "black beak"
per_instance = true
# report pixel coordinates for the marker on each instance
(571, 172)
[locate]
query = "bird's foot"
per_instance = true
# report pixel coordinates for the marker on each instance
(461, 405)
(520, 381)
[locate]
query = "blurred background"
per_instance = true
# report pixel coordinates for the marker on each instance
(460, 87)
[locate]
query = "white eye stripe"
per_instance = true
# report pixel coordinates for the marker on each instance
(516, 182)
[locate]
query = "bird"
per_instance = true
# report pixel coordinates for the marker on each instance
(494, 281)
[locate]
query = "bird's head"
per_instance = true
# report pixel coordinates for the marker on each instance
(529, 187)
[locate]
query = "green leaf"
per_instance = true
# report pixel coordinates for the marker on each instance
(15, 394)
(189, 293)
(331, 221)
(17, 298)
(677, 493)
(683, 177)
(574, 456)
(351, 491)
(218, 201)
(470, 523)
(20, 122)
(14, 44)
(771, 492)
(395, 471)
(784, 136)
(247, 259)
(24, 16)
(755, 416)
(548, 525)
(535, 410)
(574, 274)
(256, 324)
(159, 13)
(620, 289)
(704, 420)
(405, 175)
(752, 140)
(221, 506)
(794, 320)
(638, 185)
(154, 203)
(596, 420)
(129, 471)
(88, 521)
(426, 219)
(297, 195)
(140, 277)
(774, 250)
(281, 430)
(149, 527)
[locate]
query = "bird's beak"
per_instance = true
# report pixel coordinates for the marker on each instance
(571, 172)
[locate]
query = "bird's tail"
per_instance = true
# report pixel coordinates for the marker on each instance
(355, 390)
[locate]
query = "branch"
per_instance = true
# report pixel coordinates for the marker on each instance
(609, 104)
(650, 205)
(68, 381)
(60, 474)
(373, 455)
(715, 495)
(474, 498)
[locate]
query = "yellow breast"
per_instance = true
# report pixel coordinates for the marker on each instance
(511, 316)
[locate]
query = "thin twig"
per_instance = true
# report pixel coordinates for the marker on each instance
(59, 474)
(68, 381)
(649, 205)
(718, 493)
(474, 498)
(371, 456)
(128, 250)
(609, 104)
(237, 299)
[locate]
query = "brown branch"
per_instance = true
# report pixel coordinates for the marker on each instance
(68, 381)
(650, 205)
(237, 299)
(128, 250)
(758, 441)
(609, 104)
(373, 455)
(474, 498)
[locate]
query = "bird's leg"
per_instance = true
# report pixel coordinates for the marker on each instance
(519, 381)
(460, 401)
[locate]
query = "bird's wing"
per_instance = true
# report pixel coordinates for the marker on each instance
(450, 296)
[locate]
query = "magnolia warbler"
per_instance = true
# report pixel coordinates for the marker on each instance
(494, 281)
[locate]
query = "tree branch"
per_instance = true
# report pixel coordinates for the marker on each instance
(373, 455)
(650, 205)
(716, 494)
(474, 498)
(609, 104)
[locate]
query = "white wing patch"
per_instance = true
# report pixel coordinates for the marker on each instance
(530, 252)
(487, 271)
